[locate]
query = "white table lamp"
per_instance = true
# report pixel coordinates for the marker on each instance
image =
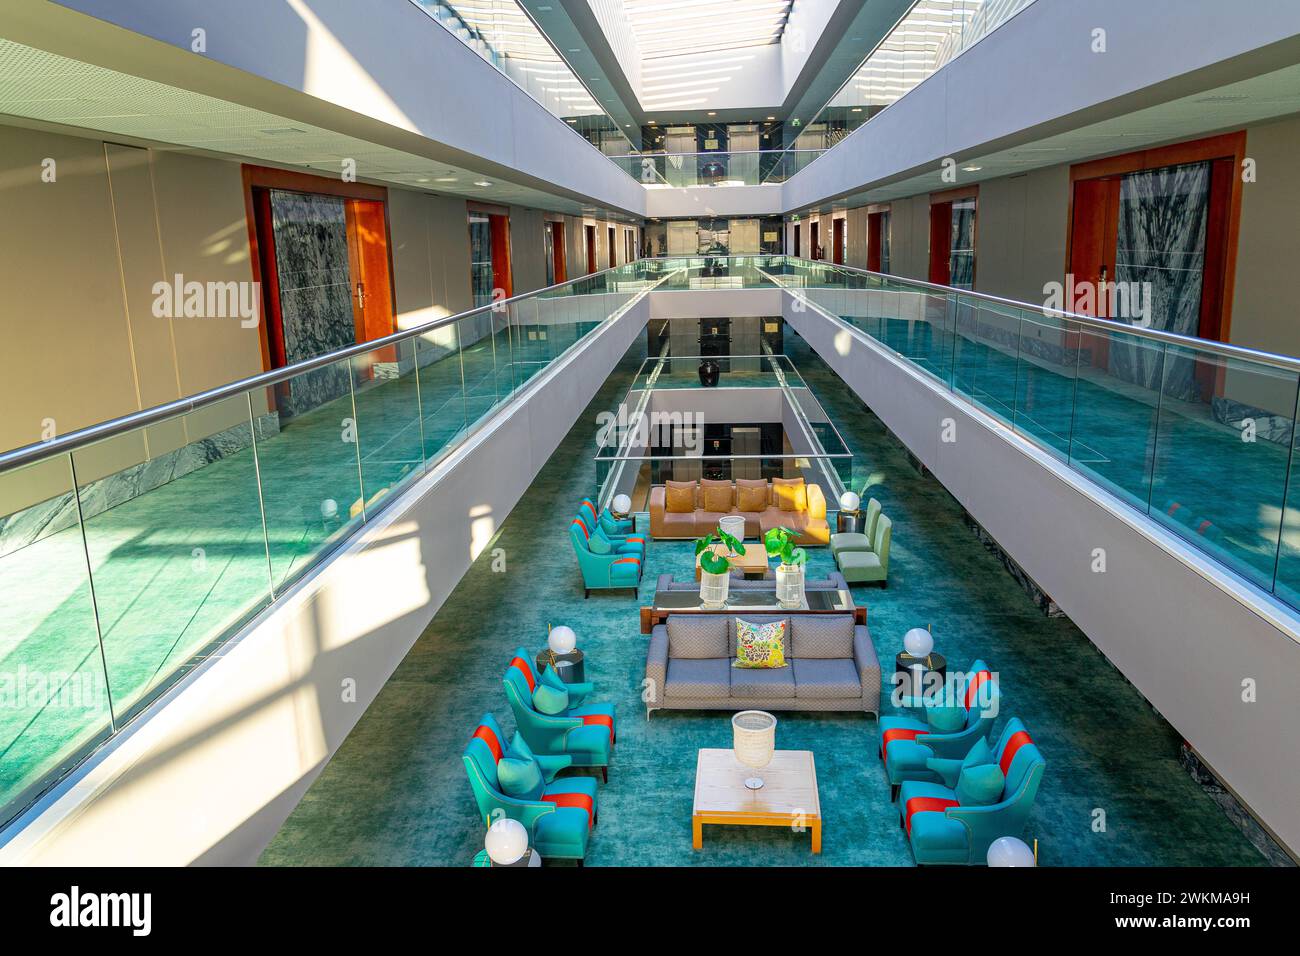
(562, 640)
(850, 501)
(622, 504)
(918, 642)
(506, 842)
(1010, 851)
(754, 741)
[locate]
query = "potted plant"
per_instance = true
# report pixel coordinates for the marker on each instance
(715, 569)
(780, 543)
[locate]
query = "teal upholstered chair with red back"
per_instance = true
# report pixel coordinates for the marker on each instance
(586, 734)
(955, 823)
(907, 744)
(605, 571)
(614, 527)
(618, 542)
(559, 819)
(578, 693)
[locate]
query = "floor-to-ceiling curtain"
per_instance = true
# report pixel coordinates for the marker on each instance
(1161, 248)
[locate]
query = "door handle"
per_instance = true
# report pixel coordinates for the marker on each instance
(361, 295)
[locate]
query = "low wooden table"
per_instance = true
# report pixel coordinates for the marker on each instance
(753, 561)
(788, 797)
(749, 602)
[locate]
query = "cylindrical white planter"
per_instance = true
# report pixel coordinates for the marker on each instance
(753, 734)
(714, 588)
(789, 585)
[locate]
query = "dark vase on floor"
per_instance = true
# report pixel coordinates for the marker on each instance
(709, 371)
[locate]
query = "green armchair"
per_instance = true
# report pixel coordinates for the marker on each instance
(558, 822)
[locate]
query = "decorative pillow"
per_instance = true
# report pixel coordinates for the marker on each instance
(599, 544)
(981, 753)
(717, 496)
(791, 494)
(945, 720)
(979, 786)
(679, 497)
(760, 645)
(520, 777)
(751, 495)
(550, 700)
(551, 678)
(519, 747)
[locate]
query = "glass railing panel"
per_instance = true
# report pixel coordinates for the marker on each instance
(310, 469)
(479, 359)
(987, 342)
(1221, 456)
(176, 543)
(389, 419)
(1046, 370)
(1117, 398)
(533, 339)
(442, 389)
(54, 702)
(1286, 584)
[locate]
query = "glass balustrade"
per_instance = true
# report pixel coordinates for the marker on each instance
(131, 550)
(1198, 435)
(742, 168)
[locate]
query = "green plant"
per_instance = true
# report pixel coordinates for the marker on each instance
(780, 543)
(710, 561)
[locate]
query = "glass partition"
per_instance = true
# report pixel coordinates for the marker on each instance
(1198, 435)
(130, 550)
(718, 168)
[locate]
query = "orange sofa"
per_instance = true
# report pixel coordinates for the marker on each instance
(690, 509)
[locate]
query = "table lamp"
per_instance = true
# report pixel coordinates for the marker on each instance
(1010, 851)
(621, 505)
(506, 842)
(754, 741)
(850, 502)
(562, 640)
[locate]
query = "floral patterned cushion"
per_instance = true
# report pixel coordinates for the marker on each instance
(760, 645)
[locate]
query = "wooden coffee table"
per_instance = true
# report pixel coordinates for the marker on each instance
(753, 561)
(787, 799)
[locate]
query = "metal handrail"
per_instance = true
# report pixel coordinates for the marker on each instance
(716, 152)
(1288, 362)
(73, 440)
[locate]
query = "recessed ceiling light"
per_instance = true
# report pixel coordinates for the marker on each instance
(651, 123)
(445, 179)
(712, 113)
(856, 109)
(971, 169)
(423, 179)
(481, 182)
(770, 118)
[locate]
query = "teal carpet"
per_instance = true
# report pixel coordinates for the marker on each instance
(396, 793)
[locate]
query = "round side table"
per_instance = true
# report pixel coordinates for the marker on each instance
(905, 666)
(569, 666)
(849, 522)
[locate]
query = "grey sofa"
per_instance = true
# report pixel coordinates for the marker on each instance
(832, 582)
(831, 665)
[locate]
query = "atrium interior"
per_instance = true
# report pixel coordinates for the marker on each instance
(647, 433)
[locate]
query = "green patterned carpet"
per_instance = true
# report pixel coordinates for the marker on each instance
(396, 792)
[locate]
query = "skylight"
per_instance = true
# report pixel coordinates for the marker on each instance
(672, 27)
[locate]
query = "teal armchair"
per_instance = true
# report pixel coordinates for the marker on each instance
(611, 571)
(615, 527)
(558, 822)
(941, 830)
(908, 744)
(578, 693)
(585, 735)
